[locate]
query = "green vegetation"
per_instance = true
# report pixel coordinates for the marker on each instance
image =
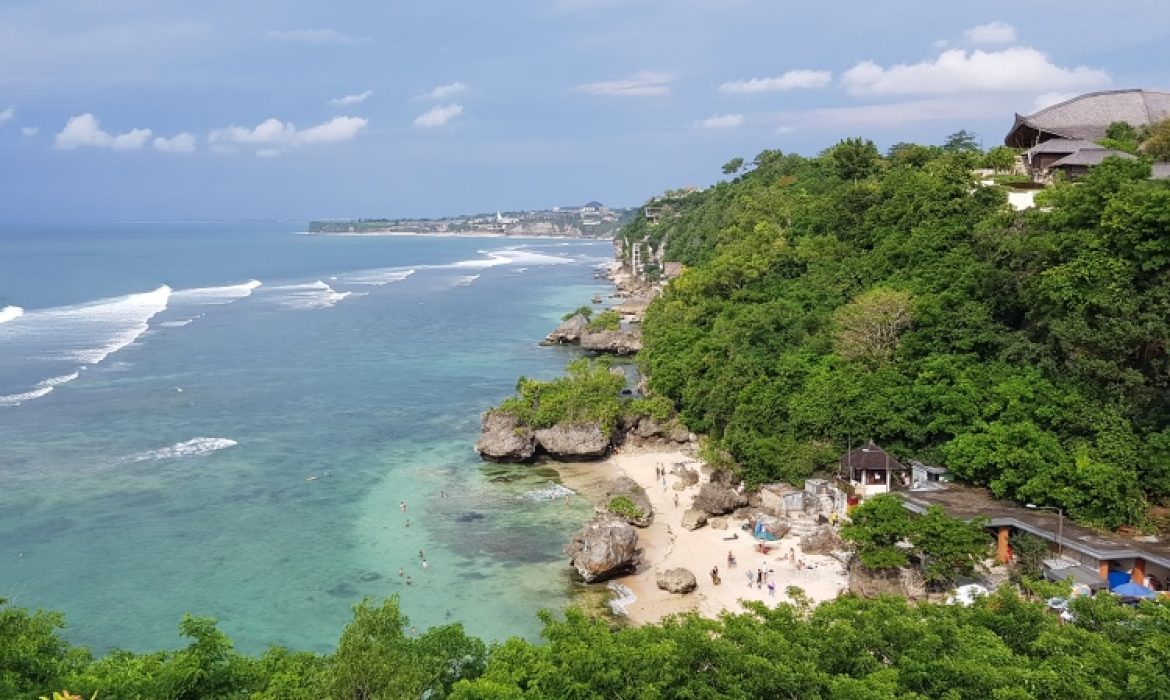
(623, 506)
(608, 320)
(944, 548)
(587, 393)
(585, 311)
(851, 296)
(1003, 648)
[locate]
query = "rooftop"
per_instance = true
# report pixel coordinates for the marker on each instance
(970, 502)
(1088, 116)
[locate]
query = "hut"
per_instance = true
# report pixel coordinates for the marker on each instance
(1088, 116)
(870, 470)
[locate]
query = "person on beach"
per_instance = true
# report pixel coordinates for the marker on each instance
(715, 575)
(730, 560)
(676, 500)
(771, 589)
(759, 578)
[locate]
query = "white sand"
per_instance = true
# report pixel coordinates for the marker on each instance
(666, 545)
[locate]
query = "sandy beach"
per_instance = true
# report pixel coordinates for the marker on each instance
(665, 544)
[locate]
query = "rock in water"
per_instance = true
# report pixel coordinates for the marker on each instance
(693, 519)
(615, 342)
(574, 442)
(676, 580)
(605, 547)
(569, 332)
(714, 499)
(503, 439)
(627, 487)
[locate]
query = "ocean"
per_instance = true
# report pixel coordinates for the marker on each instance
(227, 420)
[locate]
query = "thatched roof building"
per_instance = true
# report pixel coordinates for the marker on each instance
(1088, 116)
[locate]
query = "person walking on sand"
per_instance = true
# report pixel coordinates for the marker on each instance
(771, 589)
(676, 500)
(751, 577)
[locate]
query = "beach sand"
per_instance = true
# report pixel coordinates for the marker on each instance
(666, 544)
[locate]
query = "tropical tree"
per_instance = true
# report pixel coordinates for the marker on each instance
(732, 166)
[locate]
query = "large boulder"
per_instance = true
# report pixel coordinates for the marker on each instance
(574, 441)
(648, 430)
(693, 519)
(688, 477)
(625, 487)
(714, 499)
(868, 583)
(606, 546)
(503, 439)
(676, 580)
(824, 540)
(569, 332)
(614, 342)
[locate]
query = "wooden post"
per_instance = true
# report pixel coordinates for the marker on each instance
(1138, 575)
(1003, 550)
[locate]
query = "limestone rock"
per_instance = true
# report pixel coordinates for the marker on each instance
(717, 523)
(676, 580)
(569, 332)
(823, 541)
(714, 499)
(626, 487)
(503, 439)
(604, 547)
(867, 583)
(617, 342)
(689, 477)
(694, 519)
(571, 442)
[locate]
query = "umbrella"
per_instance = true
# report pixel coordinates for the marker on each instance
(1133, 590)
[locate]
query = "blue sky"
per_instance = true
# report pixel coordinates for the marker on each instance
(177, 110)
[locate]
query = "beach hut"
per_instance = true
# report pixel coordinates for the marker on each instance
(870, 470)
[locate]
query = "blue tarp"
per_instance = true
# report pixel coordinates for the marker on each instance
(1133, 590)
(1117, 578)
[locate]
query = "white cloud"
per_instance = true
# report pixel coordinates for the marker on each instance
(7, 114)
(1017, 69)
(442, 92)
(438, 116)
(785, 129)
(85, 130)
(30, 130)
(991, 33)
(642, 84)
(275, 136)
(351, 99)
(722, 121)
(179, 143)
(792, 80)
(318, 37)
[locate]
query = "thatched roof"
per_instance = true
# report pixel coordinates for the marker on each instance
(1062, 146)
(1088, 116)
(869, 457)
(1090, 157)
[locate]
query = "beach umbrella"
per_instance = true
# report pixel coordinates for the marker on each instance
(1133, 590)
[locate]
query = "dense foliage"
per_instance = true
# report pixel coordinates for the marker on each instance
(853, 296)
(1003, 648)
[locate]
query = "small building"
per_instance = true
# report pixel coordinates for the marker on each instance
(782, 499)
(870, 470)
(1078, 164)
(924, 476)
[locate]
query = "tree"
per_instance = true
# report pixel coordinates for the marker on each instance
(1157, 142)
(1028, 553)
(732, 166)
(875, 528)
(999, 159)
(962, 141)
(1122, 136)
(868, 328)
(854, 159)
(949, 548)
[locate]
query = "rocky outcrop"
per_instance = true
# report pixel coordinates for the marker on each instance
(714, 499)
(614, 342)
(676, 580)
(625, 487)
(717, 523)
(569, 332)
(824, 540)
(646, 430)
(574, 442)
(688, 477)
(605, 547)
(503, 439)
(906, 583)
(693, 519)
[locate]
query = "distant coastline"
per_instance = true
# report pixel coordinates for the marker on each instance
(593, 220)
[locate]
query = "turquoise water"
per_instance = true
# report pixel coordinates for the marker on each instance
(241, 451)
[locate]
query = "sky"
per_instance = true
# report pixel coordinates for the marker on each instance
(221, 109)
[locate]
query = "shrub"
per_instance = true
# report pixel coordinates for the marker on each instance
(581, 311)
(623, 506)
(608, 320)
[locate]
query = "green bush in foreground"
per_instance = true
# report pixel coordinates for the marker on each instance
(1002, 648)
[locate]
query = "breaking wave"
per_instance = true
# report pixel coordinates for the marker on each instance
(43, 388)
(195, 447)
(315, 295)
(622, 598)
(10, 312)
(216, 295)
(378, 277)
(551, 492)
(508, 256)
(465, 281)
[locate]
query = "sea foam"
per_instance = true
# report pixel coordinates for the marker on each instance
(315, 295)
(508, 256)
(622, 598)
(195, 447)
(43, 388)
(551, 492)
(9, 313)
(465, 281)
(216, 295)
(377, 277)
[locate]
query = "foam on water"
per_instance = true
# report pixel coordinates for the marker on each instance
(508, 256)
(622, 598)
(44, 388)
(465, 281)
(215, 295)
(315, 295)
(549, 493)
(84, 333)
(10, 312)
(195, 447)
(377, 277)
